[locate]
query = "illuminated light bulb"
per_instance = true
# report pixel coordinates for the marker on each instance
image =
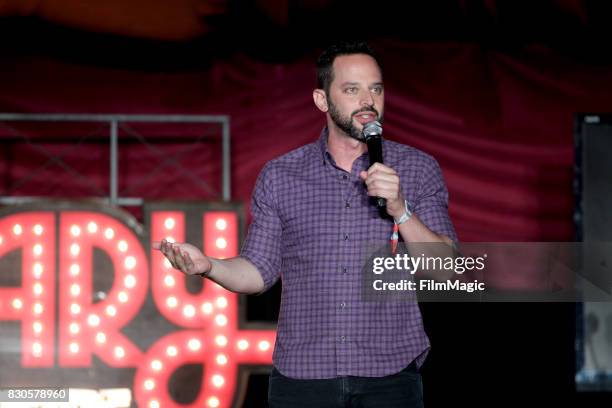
(156, 365)
(92, 227)
(119, 352)
(75, 230)
(169, 280)
(221, 224)
(75, 249)
(221, 302)
(74, 328)
(171, 351)
(221, 320)
(75, 269)
(194, 344)
(189, 311)
(207, 307)
(218, 380)
(93, 320)
(264, 345)
(243, 344)
(1, 239)
(38, 270)
(221, 243)
(123, 297)
(111, 310)
(171, 301)
(17, 303)
(38, 229)
(221, 359)
(74, 348)
(17, 230)
(167, 263)
(130, 262)
(75, 289)
(153, 404)
(37, 349)
(37, 327)
(38, 249)
(122, 246)
(109, 233)
(75, 309)
(149, 384)
(221, 340)
(38, 289)
(213, 402)
(129, 281)
(170, 240)
(169, 223)
(38, 308)
(101, 338)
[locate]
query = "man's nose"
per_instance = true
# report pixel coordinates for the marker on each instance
(366, 99)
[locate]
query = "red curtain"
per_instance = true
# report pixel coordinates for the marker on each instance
(500, 125)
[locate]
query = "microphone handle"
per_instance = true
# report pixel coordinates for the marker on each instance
(375, 153)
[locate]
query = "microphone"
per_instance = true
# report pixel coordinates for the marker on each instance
(371, 133)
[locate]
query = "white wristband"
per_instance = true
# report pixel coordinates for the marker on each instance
(405, 216)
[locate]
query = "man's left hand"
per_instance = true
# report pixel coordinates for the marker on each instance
(382, 181)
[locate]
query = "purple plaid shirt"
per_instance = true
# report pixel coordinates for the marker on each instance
(311, 223)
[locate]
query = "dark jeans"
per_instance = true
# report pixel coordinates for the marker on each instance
(401, 390)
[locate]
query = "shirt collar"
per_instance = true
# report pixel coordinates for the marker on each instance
(326, 156)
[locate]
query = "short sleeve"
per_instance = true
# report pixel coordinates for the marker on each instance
(262, 244)
(431, 204)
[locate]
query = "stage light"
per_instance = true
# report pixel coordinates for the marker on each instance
(75, 230)
(109, 233)
(169, 280)
(119, 352)
(75, 308)
(75, 269)
(213, 402)
(17, 229)
(221, 359)
(38, 308)
(221, 302)
(221, 224)
(129, 281)
(149, 384)
(221, 243)
(101, 338)
(153, 404)
(38, 270)
(75, 289)
(194, 344)
(189, 311)
(37, 349)
(38, 249)
(75, 249)
(37, 327)
(130, 262)
(92, 227)
(207, 307)
(122, 246)
(171, 302)
(221, 340)
(123, 297)
(156, 365)
(74, 348)
(243, 344)
(171, 351)
(111, 310)
(38, 229)
(38, 289)
(218, 380)
(74, 328)
(93, 320)
(264, 345)
(221, 320)
(169, 223)
(17, 303)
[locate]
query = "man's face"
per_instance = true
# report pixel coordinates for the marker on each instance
(356, 95)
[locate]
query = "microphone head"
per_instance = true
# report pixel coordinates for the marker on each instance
(372, 129)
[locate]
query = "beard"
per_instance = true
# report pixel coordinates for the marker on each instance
(346, 124)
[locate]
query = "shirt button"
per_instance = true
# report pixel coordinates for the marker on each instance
(347, 205)
(342, 305)
(343, 338)
(344, 270)
(346, 237)
(345, 177)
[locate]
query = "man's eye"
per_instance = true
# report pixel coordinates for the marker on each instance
(351, 90)
(377, 90)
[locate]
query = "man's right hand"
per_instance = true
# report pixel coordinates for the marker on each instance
(185, 257)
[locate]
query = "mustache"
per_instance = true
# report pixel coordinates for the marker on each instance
(367, 109)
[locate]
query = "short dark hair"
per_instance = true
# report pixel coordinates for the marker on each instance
(325, 62)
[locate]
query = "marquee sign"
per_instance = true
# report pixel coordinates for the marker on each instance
(65, 323)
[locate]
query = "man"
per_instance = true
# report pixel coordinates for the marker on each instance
(311, 218)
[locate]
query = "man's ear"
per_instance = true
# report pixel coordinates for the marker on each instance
(320, 99)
